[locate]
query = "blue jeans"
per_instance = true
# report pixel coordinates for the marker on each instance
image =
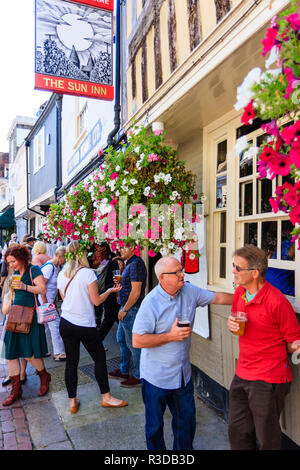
(182, 406)
(124, 338)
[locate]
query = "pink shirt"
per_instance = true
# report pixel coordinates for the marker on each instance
(39, 260)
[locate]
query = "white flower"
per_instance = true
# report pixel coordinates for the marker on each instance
(168, 179)
(192, 256)
(244, 92)
(117, 193)
(241, 144)
(138, 164)
(118, 168)
(273, 57)
(133, 181)
(137, 150)
(163, 251)
(171, 246)
(126, 172)
(125, 188)
(147, 191)
(131, 192)
(156, 178)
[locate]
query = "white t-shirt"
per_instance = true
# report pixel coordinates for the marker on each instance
(50, 272)
(77, 307)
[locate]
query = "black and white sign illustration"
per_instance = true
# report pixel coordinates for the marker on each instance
(74, 41)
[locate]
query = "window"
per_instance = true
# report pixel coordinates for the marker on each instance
(39, 150)
(220, 215)
(258, 224)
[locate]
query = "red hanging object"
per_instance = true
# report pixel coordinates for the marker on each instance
(191, 266)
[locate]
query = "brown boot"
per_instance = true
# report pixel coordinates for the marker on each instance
(16, 391)
(45, 381)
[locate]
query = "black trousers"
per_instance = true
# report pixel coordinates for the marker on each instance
(254, 412)
(72, 336)
(106, 316)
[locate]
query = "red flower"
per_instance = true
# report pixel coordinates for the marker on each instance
(268, 154)
(270, 40)
(295, 153)
(249, 113)
(274, 204)
(295, 214)
(290, 133)
(280, 166)
(291, 197)
(294, 21)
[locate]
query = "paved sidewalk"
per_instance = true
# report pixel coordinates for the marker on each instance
(45, 423)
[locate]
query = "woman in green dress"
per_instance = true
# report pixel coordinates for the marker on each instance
(32, 346)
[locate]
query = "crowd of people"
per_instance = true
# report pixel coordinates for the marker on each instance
(98, 288)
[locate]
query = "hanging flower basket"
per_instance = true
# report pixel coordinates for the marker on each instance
(272, 96)
(141, 194)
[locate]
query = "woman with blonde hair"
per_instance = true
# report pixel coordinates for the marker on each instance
(78, 287)
(39, 255)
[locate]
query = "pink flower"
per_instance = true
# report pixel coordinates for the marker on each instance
(113, 202)
(158, 132)
(153, 157)
(291, 197)
(280, 166)
(100, 153)
(291, 79)
(270, 40)
(294, 21)
(249, 113)
(102, 189)
(290, 133)
(151, 253)
(295, 214)
(295, 153)
(271, 128)
(114, 175)
(274, 204)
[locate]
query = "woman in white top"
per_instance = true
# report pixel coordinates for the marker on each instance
(50, 273)
(77, 285)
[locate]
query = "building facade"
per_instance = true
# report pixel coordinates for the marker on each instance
(184, 61)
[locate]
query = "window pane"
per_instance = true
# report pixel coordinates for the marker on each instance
(221, 192)
(246, 198)
(246, 163)
(287, 247)
(264, 192)
(262, 139)
(223, 228)
(284, 279)
(250, 234)
(221, 156)
(223, 263)
(269, 238)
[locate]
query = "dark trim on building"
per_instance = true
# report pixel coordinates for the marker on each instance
(172, 35)
(222, 8)
(194, 23)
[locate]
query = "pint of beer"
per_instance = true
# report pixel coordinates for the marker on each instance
(241, 319)
(15, 281)
(117, 276)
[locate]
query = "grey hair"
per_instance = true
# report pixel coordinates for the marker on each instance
(255, 257)
(61, 250)
(161, 264)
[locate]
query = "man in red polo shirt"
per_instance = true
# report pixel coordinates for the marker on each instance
(263, 374)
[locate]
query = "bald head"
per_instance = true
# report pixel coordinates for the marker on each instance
(165, 264)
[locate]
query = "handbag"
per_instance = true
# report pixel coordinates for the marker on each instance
(20, 318)
(46, 312)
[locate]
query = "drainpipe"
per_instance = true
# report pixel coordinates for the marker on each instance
(117, 108)
(27, 144)
(58, 147)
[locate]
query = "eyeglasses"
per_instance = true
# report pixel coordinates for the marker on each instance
(242, 269)
(178, 273)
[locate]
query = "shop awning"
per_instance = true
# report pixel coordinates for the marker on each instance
(7, 219)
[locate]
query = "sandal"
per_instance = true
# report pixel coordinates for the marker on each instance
(59, 357)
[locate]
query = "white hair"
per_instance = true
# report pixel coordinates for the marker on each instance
(162, 264)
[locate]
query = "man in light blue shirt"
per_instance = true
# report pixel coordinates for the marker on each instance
(165, 357)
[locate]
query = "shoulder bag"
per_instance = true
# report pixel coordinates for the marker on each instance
(46, 312)
(20, 318)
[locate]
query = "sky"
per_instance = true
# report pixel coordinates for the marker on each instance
(17, 94)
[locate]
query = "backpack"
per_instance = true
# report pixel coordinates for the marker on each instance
(101, 277)
(52, 267)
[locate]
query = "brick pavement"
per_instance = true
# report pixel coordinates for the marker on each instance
(14, 432)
